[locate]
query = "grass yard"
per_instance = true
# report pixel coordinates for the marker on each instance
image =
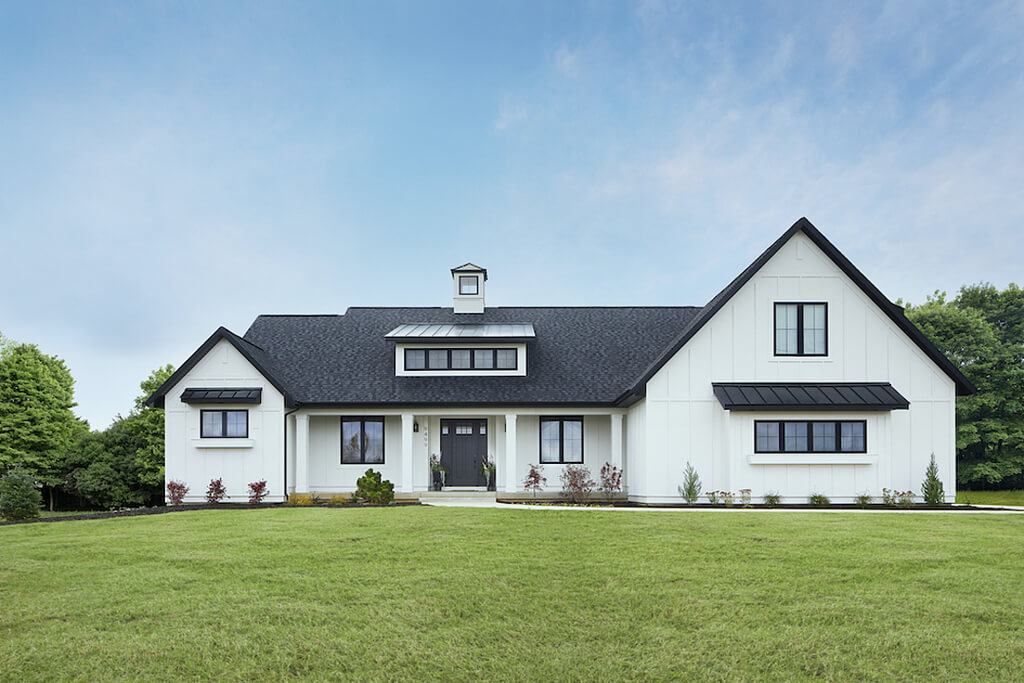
(991, 497)
(464, 594)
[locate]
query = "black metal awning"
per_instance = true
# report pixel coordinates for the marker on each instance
(222, 395)
(809, 396)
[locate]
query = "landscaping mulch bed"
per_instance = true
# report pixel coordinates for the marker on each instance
(163, 509)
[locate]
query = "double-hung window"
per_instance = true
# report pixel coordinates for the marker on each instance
(810, 436)
(561, 439)
(224, 424)
(801, 329)
(362, 440)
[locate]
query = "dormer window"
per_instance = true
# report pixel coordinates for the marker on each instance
(461, 359)
(469, 285)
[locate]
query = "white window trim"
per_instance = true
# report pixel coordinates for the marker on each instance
(520, 370)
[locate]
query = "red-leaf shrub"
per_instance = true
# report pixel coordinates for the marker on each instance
(258, 491)
(611, 480)
(176, 491)
(534, 480)
(576, 483)
(216, 492)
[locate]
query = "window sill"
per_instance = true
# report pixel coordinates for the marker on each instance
(223, 443)
(812, 458)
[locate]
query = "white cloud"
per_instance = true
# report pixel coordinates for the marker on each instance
(510, 114)
(567, 62)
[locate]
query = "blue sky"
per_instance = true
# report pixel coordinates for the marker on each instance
(166, 168)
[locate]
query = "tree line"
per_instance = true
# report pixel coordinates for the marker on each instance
(981, 329)
(77, 467)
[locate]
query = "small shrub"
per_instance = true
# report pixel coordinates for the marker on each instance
(258, 491)
(772, 498)
(727, 497)
(215, 492)
(745, 497)
(300, 499)
(906, 499)
(339, 499)
(712, 497)
(819, 499)
(371, 488)
(690, 490)
(611, 480)
(863, 500)
(931, 488)
(577, 484)
(535, 479)
(19, 497)
(176, 491)
(888, 497)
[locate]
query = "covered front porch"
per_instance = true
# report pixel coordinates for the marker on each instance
(330, 448)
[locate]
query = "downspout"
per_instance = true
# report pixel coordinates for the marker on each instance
(285, 483)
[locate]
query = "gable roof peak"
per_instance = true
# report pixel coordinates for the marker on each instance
(964, 387)
(469, 267)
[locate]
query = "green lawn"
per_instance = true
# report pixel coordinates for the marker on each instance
(464, 594)
(991, 497)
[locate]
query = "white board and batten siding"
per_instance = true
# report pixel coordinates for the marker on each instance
(195, 461)
(680, 419)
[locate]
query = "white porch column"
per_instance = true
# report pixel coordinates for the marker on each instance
(301, 453)
(511, 484)
(617, 440)
(406, 453)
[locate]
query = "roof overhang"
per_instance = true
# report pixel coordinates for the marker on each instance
(253, 395)
(793, 396)
(470, 268)
(462, 332)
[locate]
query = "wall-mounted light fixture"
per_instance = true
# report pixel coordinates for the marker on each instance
(415, 426)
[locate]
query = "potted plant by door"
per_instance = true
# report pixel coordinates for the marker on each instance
(437, 471)
(488, 468)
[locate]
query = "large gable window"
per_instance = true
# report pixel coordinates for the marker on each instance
(801, 329)
(362, 440)
(224, 424)
(810, 436)
(561, 439)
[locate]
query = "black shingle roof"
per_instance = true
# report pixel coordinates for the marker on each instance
(580, 356)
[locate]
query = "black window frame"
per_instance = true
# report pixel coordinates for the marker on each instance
(799, 328)
(472, 359)
(476, 285)
(362, 439)
(224, 423)
(810, 435)
(561, 420)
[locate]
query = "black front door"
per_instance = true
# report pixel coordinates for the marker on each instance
(463, 449)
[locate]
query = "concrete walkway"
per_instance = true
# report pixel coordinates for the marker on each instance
(477, 503)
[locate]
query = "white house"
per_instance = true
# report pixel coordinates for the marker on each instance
(800, 377)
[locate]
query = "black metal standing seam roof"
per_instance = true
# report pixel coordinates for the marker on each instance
(222, 395)
(580, 356)
(867, 396)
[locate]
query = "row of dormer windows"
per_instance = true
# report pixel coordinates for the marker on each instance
(460, 359)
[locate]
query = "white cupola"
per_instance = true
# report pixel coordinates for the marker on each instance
(468, 281)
